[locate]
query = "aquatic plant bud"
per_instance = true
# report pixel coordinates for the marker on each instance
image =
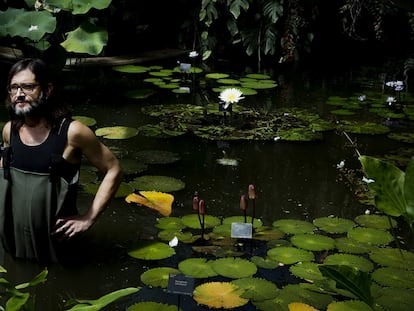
(243, 202)
(252, 193)
(195, 201)
(201, 207)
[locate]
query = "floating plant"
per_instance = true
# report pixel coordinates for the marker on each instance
(347, 245)
(264, 263)
(167, 235)
(131, 69)
(266, 233)
(359, 127)
(192, 221)
(376, 221)
(334, 224)
(257, 289)
(289, 255)
(170, 223)
(158, 277)
(123, 190)
(349, 305)
(151, 250)
(350, 260)
(294, 226)
(257, 223)
(234, 267)
(394, 277)
(308, 271)
(395, 299)
(402, 137)
(370, 235)
(219, 295)
(299, 306)
(132, 167)
(88, 121)
(197, 267)
(392, 257)
(157, 183)
(116, 132)
(159, 201)
(313, 242)
(152, 306)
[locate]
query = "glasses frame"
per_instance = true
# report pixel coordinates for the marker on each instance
(26, 88)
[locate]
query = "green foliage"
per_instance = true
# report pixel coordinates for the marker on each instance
(394, 189)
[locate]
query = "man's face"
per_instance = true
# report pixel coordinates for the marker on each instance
(25, 93)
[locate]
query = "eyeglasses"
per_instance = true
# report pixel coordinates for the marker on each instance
(27, 88)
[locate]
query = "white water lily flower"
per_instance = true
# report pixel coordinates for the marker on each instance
(193, 54)
(173, 242)
(33, 28)
(340, 164)
(230, 96)
(367, 180)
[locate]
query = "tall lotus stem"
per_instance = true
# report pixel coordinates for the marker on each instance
(243, 206)
(252, 197)
(202, 212)
(196, 201)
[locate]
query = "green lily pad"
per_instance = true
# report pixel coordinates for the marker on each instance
(376, 221)
(393, 257)
(334, 224)
(152, 306)
(150, 250)
(395, 299)
(313, 242)
(168, 235)
(217, 75)
(299, 134)
(256, 223)
(191, 221)
(170, 223)
(234, 267)
(394, 277)
(256, 288)
(294, 226)
(264, 263)
(359, 127)
(308, 271)
(228, 81)
(116, 132)
(197, 268)
(266, 233)
(258, 76)
(157, 156)
(131, 166)
(259, 85)
(354, 261)
(370, 235)
(158, 277)
(131, 69)
(350, 305)
(289, 255)
(352, 246)
(157, 183)
(88, 121)
(403, 137)
(342, 112)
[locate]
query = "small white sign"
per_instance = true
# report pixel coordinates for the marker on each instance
(241, 230)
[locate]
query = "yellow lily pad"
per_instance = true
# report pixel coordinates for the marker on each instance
(159, 201)
(219, 295)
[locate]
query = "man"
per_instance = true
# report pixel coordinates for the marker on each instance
(42, 151)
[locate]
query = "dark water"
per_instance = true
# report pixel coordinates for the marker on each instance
(293, 180)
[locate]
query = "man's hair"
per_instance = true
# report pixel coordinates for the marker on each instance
(52, 111)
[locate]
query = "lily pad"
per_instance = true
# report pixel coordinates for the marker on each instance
(170, 223)
(334, 224)
(234, 267)
(150, 250)
(376, 221)
(266, 233)
(299, 306)
(350, 305)
(131, 69)
(403, 137)
(396, 299)
(359, 127)
(370, 235)
(88, 121)
(197, 267)
(158, 201)
(294, 226)
(308, 271)
(264, 263)
(217, 75)
(256, 223)
(394, 277)
(123, 190)
(352, 246)
(219, 295)
(289, 255)
(182, 236)
(313, 242)
(191, 221)
(152, 306)
(393, 257)
(116, 132)
(157, 183)
(256, 288)
(158, 277)
(354, 261)
(130, 166)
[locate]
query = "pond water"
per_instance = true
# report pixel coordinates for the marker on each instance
(298, 180)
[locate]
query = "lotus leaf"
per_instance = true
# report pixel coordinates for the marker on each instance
(313, 242)
(289, 255)
(308, 271)
(393, 257)
(87, 38)
(370, 235)
(157, 156)
(264, 263)
(234, 267)
(157, 183)
(150, 250)
(298, 306)
(158, 277)
(348, 245)
(197, 268)
(170, 223)
(131, 69)
(116, 132)
(152, 306)
(256, 288)
(395, 299)
(88, 121)
(350, 260)
(394, 277)
(219, 295)
(158, 201)
(192, 221)
(334, 224)
(294, 226)
(256, 223)
(376, 221)
(350, 305)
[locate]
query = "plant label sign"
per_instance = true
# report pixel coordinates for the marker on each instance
(180, 284)
(241, 230)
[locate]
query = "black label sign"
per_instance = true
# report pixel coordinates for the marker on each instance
(180, 284)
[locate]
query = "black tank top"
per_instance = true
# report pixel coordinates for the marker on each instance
(46, 157)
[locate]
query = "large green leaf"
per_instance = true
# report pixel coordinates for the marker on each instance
(87, 38)
(351, 279)
(79, 6)
(409, 188)
(388, 185)
(27, 24)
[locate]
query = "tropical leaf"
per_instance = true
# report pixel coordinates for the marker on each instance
(219, 295)
(159, 201)
(87, 38)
